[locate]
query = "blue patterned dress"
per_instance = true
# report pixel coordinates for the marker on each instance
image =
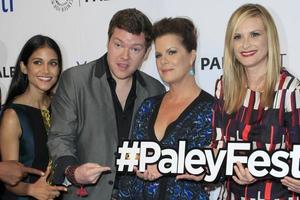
(193, 125)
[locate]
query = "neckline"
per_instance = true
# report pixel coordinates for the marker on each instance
(171, 125)
(29, 106)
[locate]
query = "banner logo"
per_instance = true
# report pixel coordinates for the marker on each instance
(62, 5)
(7, 6)
(207, 63)
(260, 163)
(7, 72)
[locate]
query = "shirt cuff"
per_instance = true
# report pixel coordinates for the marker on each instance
(60, 166)
(66, 182)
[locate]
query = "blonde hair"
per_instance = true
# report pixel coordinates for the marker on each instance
(234, 73)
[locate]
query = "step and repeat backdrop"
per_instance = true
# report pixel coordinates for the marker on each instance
(80, 28)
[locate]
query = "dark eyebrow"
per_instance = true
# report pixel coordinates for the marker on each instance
(135, 44)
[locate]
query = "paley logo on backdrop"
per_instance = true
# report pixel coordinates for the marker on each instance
(62, 5)
(87, 1)
(81, 2)
(7, 6)
(217, 63)
(7, 72)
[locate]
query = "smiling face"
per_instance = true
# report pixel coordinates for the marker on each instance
(173, 61)
(42, 69)
(250, 44)
(126, 53)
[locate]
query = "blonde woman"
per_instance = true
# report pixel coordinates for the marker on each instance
(255, 100)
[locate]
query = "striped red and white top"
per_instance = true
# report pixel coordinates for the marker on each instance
(266, 128)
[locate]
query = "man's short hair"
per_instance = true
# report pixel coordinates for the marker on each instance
(132, 21)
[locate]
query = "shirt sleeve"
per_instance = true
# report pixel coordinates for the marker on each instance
(292, 114)
(217, 132)
(63, 131)
(140, 121)
(130, 184)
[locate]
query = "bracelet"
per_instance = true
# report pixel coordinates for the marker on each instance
(70, 174)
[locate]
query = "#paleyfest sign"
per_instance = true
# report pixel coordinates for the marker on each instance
(260, 163)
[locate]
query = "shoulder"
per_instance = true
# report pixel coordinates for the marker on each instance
(287, 81)
(9, 120)
(9, 113)
(79, 70)
(154, 99)
(150, 102)
(204, 106)
(78, 75)
(219, 88)
(151, 82)
(287, 88)
(206, 97)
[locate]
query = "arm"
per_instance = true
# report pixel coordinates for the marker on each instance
(63, 131)
(217, 140)
(126, 182)
(139, 133)
(293, 133)
(243, 176)
(10, 132)
(63, 134)
(12, 172)
(200, 137)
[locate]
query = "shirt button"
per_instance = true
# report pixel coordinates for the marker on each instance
(110, 182)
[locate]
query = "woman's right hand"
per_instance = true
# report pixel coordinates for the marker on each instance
(243, 176)
(150, 174)
(42, 190)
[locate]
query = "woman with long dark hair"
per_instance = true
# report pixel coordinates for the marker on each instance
(26, 117)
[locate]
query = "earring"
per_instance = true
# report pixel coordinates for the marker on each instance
(192, 71)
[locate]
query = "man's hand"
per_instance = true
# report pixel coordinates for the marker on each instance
(89, 173)
(11, 172)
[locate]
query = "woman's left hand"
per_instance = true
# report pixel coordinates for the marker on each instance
(243, 176)
(150, 174)
(291, 183)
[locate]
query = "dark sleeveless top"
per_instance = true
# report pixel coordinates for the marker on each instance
(33, 151)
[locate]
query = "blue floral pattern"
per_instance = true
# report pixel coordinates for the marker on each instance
(194, 125)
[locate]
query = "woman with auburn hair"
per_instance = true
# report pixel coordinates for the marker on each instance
(256, 101)
(157, 119)
(26, 117)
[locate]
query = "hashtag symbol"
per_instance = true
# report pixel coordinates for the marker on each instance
(128, 156)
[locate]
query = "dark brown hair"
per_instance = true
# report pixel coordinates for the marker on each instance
(19, 82)
(132, 21)
(179, 26)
